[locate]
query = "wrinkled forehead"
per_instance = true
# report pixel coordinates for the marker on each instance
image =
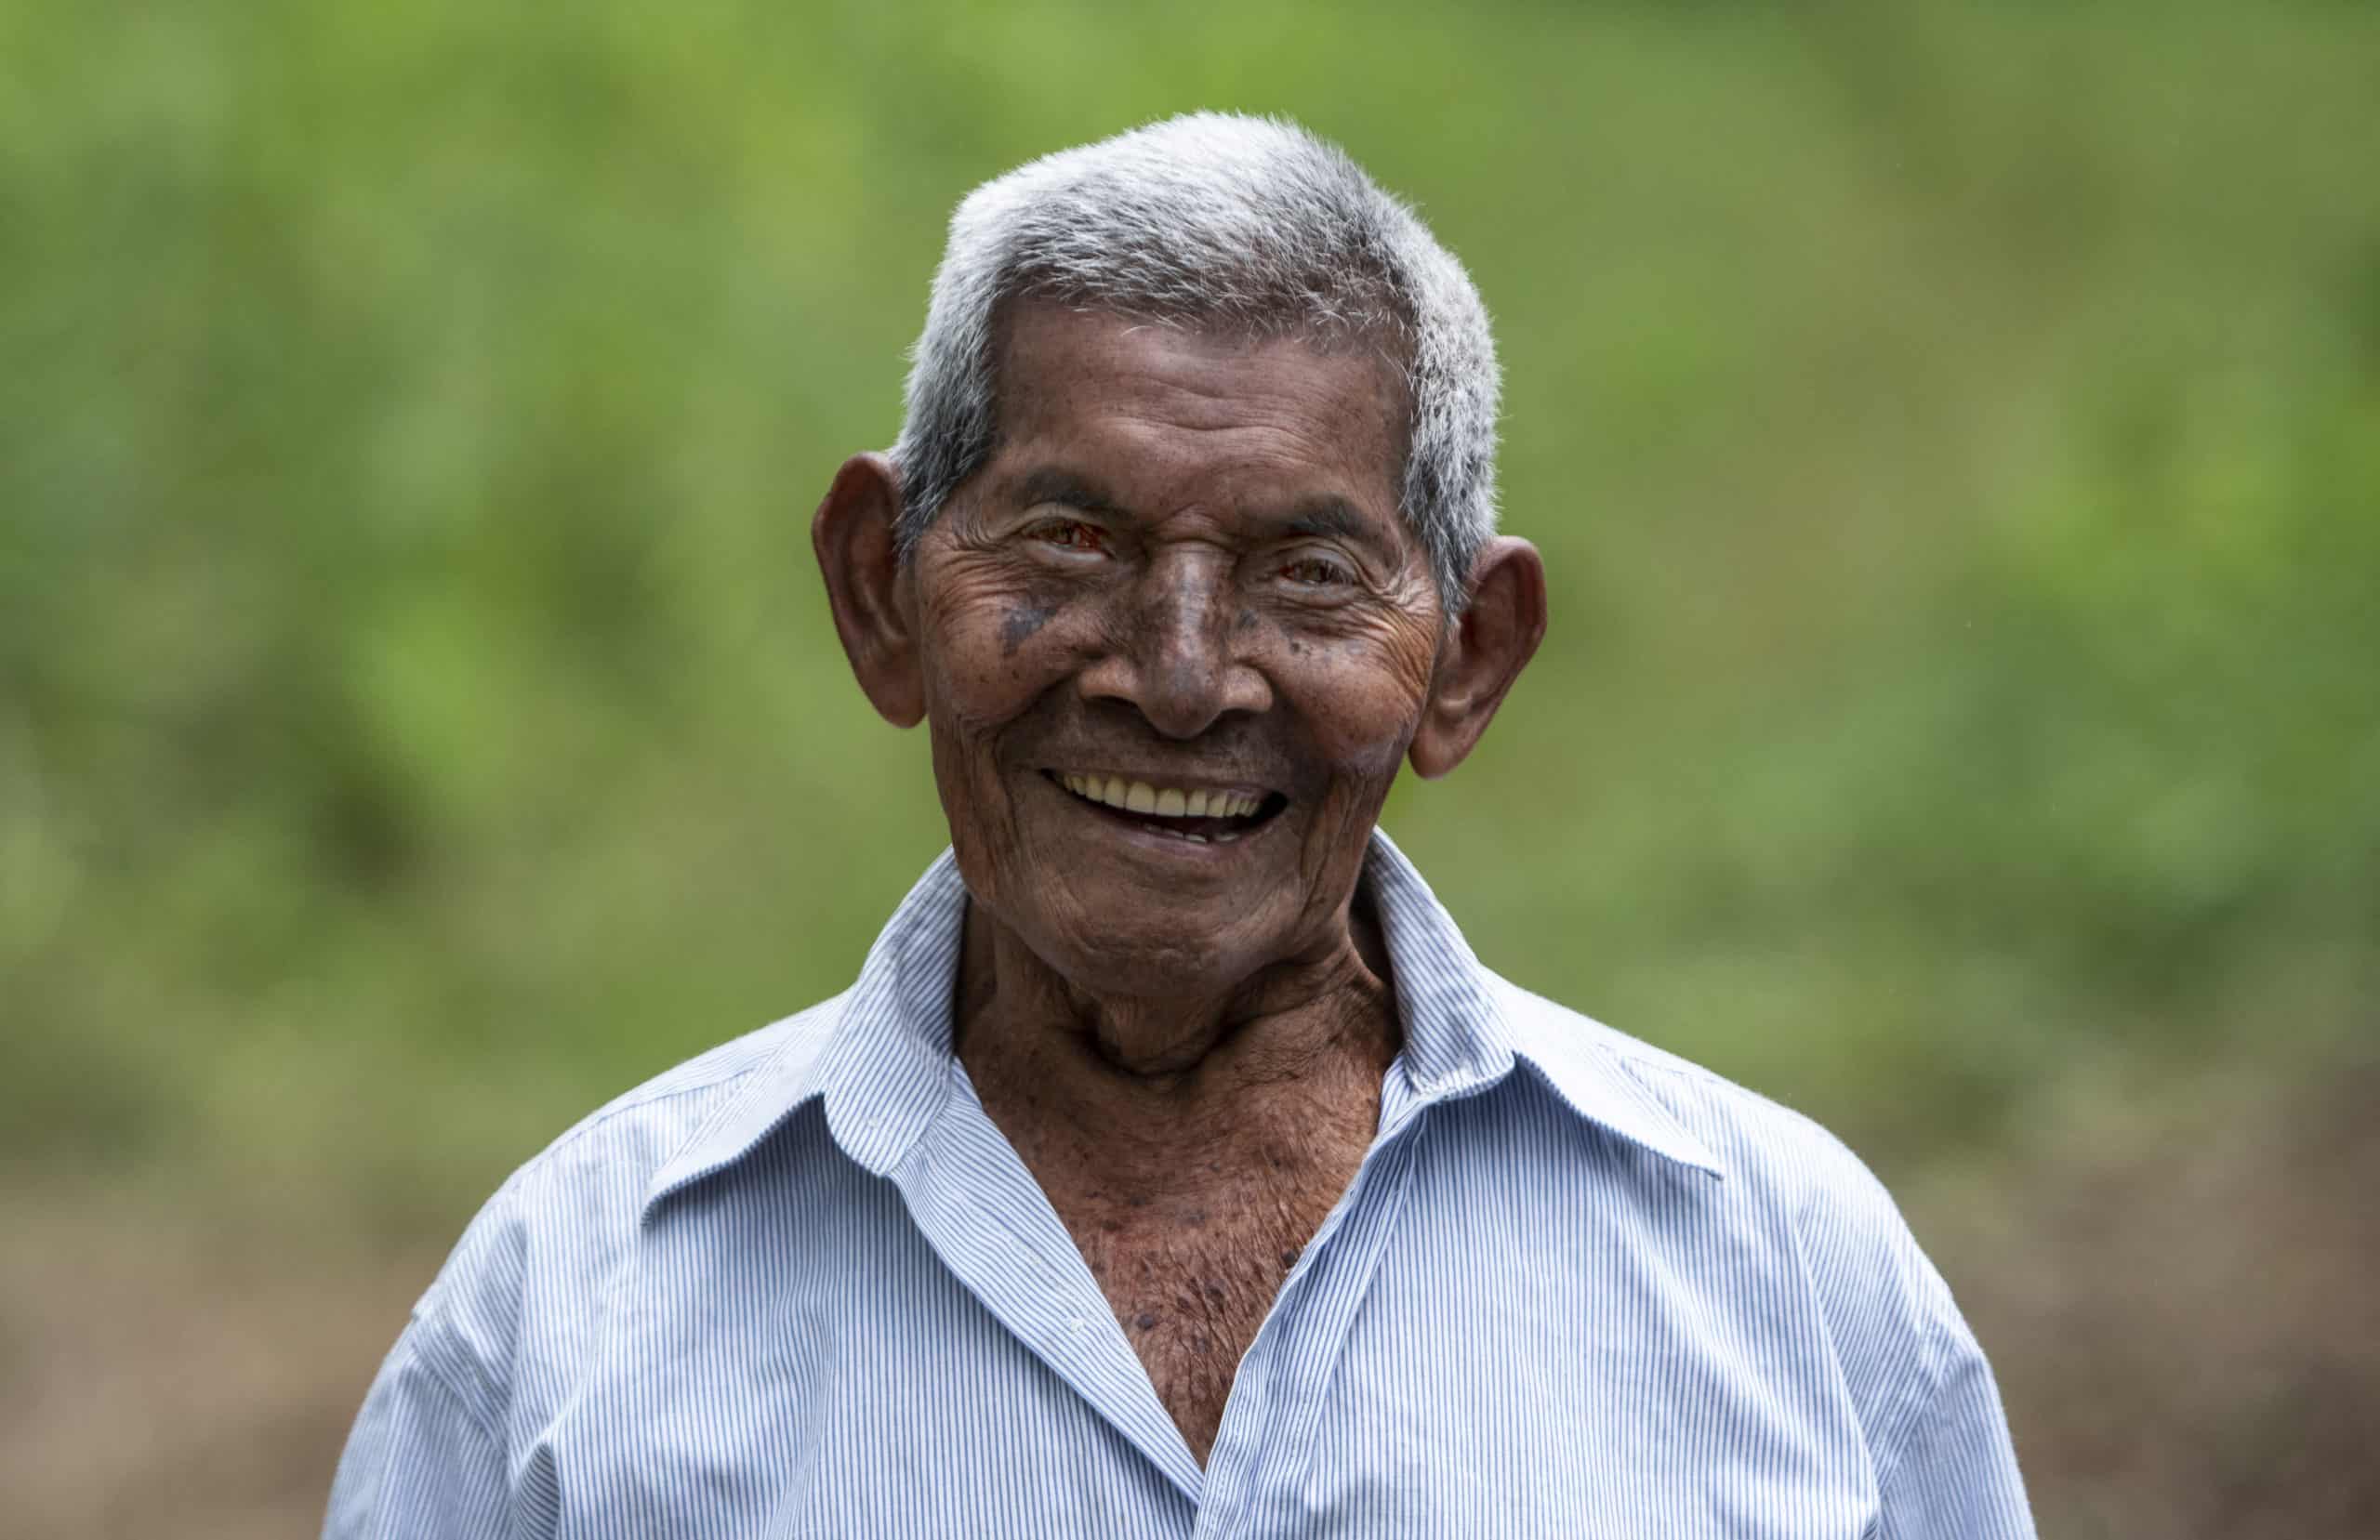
(1147, 397)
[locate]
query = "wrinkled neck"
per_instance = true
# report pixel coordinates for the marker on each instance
(1151, 1079)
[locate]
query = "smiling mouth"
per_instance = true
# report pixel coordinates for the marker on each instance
(1201, 817)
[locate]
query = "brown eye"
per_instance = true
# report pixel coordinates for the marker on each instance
(1069, 534)
(1314, 571)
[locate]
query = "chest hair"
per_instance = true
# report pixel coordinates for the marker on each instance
(1191, 1272)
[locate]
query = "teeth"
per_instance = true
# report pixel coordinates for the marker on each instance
(1139, 796)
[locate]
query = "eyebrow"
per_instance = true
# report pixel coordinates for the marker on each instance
(1054, 485)
(1330, 518)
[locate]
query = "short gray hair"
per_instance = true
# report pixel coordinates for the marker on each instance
(1214, 219)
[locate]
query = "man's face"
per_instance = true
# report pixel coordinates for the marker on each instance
(1180, 582)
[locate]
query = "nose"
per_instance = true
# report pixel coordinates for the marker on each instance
(1177, 653)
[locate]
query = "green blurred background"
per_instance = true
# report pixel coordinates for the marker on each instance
(1954, 433)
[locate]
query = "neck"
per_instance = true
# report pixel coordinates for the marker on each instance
(1145, 1082)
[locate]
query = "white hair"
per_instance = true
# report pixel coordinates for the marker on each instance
(1214, 220)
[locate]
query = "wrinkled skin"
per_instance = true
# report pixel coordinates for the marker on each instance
(1183, 564)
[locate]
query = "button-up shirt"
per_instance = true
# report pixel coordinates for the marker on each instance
(802, 1285)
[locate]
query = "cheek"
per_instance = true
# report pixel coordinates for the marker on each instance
(986, 662)
(1362, 700)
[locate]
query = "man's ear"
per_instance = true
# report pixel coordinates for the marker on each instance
(1487, 648)
(860, 558)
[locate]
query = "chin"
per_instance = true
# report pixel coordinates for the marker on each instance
(1172, 948)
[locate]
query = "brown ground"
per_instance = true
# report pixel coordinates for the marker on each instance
(157, 1380)
(2181, 1307)
(2185, 1315)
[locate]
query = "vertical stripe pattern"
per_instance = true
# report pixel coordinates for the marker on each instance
(800, 1285)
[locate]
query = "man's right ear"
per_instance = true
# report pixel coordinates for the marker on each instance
(860, 557)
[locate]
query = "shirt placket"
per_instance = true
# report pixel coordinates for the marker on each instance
(1266, 1437)
(992, 1226)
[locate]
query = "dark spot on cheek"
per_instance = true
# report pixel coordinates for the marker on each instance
(1021, 624)
(1247, 620)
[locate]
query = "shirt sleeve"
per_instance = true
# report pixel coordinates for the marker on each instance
(424, 1458)
(1944, 1466)
(1953, 1476)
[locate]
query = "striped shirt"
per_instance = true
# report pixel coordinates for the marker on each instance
(800, 1285)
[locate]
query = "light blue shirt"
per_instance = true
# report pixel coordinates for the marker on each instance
(800, 1285)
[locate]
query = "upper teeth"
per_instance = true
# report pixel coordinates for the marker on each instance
(1139, 796)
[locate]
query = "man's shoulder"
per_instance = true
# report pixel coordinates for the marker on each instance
(571, 1208)
(1801, 1208)
(631, 1140)
(648, 1123)
(1765, 1153)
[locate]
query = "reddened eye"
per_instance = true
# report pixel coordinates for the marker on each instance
(1069, 534)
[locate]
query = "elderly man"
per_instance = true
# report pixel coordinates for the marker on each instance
(1173, 1168)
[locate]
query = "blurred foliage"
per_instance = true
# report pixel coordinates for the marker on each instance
(1954, 434)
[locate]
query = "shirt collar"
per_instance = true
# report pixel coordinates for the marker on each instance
(1466, 1028)
(879, 1054)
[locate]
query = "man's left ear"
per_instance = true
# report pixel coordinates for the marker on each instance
(1487, 648)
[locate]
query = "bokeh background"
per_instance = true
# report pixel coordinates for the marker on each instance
(1953, 432)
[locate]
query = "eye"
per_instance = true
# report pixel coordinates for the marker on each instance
(1069, 534)
(1315, 572)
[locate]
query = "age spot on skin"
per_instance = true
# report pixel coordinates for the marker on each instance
(1020, 625)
